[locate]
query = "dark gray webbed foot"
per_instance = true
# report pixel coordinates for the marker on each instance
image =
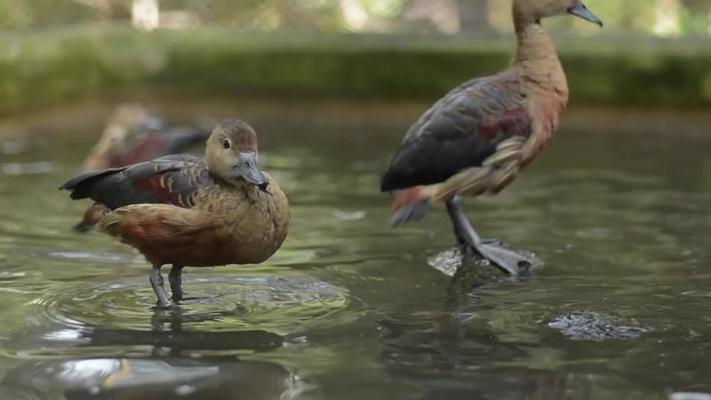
(510, 261)
(464, 246)
(493, 242)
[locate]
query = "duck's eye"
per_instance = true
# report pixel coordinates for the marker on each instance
(226, 144)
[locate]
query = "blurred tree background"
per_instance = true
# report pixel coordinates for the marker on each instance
(651, 52)
(654, 17)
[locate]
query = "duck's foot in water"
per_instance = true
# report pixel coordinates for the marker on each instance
(510, 261)
(156, 279)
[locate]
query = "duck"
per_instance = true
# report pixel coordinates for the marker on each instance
(477, 138)
(189, 211)
(133, 134)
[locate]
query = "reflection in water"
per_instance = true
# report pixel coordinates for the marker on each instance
(167, 370)
(132, 378)
(168, 336)
(457, 356)
(215, 303)
(457, 353)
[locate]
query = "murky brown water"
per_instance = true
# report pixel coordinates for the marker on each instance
(350, 309)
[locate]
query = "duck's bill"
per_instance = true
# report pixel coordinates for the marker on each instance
(582, 11)
(247, 169)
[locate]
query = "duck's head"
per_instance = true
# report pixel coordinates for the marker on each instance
(135, 120)
(232, 155)
(535, 10)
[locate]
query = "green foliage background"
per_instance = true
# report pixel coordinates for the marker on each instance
(326, 15)
(53, 51)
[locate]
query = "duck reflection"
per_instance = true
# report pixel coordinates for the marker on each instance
(176, 364)
(168, 337)
(168, 378)
(453, 353)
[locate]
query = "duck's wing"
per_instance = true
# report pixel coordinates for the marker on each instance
(144, 223)
(171, 180)
(460, 131)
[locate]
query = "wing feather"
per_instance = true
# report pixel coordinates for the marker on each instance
(171, 180)
(459, 132)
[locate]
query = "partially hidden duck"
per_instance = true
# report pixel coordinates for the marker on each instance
(476, 139)
(132, 134)
(187, 211)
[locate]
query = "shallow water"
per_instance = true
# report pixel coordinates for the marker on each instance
(351, 309)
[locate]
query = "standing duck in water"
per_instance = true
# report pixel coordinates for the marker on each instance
(133, 135)
(186, 211)
(475, 140)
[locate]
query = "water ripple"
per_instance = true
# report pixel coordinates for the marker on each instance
(281, 304)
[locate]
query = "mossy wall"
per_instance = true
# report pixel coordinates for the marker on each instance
(43, 69)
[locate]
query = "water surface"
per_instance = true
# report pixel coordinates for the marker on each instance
(351, 309)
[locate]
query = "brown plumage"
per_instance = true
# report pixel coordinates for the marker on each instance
(476, 139)
(133, 135)
(186, 211)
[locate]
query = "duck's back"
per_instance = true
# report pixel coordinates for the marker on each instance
(460, 131)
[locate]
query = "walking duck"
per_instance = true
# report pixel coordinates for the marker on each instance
(186, 211)
(133, 135)
(476, 139)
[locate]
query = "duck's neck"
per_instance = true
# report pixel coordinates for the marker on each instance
(537, 58)
(111, 143)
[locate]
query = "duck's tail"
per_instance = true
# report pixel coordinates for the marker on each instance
(411, 205)
(81, 186)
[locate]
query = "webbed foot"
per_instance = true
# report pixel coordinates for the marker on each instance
(510, 261)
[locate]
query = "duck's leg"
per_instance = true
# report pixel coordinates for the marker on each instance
(458, 231)
(507, 260)
(175, 277)
(157, 283)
